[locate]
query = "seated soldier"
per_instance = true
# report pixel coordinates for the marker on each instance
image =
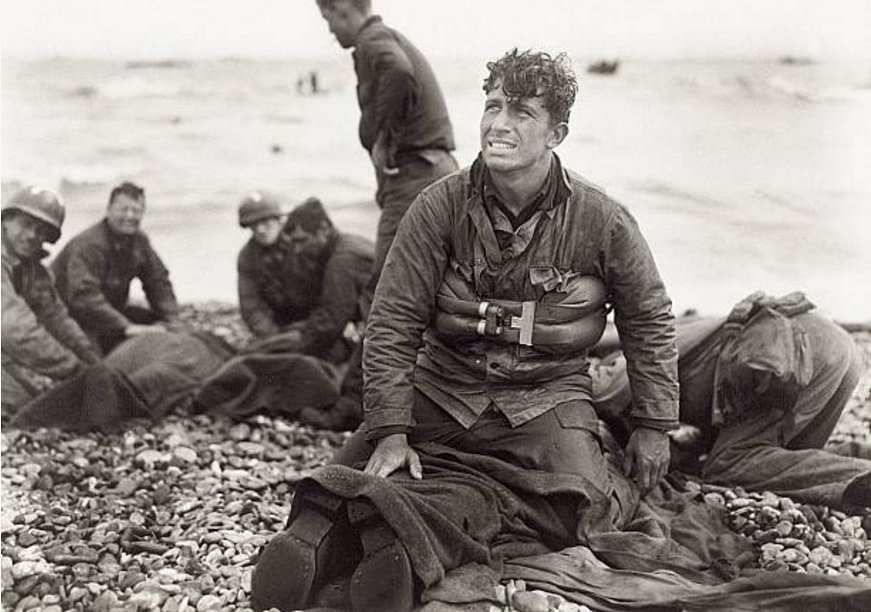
(301, 279)
(94, 270)
(765, 387)
(476, 349)
(41, 343)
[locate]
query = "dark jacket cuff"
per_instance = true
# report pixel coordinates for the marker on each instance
(387, 421)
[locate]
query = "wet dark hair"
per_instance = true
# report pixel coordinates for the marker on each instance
(361, 6)
(131, 190)
(529, 74)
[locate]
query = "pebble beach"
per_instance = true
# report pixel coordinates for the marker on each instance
(170, 516)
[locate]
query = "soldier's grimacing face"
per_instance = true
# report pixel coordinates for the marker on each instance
(124, 214)
(516, 133)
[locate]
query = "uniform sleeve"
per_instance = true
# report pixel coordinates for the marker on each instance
(86, 266)
(156, 285)
(27, 341)
(338, 303)
(396, 87)
(645, 323)
(402, 308)
(254, 310)
(59, 324)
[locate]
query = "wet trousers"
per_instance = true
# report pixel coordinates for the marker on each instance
(564, 440)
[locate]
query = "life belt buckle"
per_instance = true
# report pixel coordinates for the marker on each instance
(491, 323)
(525, 323)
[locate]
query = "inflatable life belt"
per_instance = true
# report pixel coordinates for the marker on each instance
(573, 323)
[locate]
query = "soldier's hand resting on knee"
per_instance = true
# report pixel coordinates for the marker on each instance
(393, 453)
(646, 457)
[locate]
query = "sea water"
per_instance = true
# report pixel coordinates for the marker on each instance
(743, 175)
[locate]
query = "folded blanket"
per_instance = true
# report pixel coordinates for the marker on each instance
(473, 521)
(476, 509)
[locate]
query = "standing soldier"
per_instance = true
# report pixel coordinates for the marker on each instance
(404, 123)
(41, 343)
(95, 269)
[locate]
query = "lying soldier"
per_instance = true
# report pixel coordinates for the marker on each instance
(41, 343)
(765, 387)
(94, 270)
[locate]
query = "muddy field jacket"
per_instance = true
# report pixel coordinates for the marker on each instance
(582, 233)
(38, 333)
(93, 274)
(318, 297)
(398, 94)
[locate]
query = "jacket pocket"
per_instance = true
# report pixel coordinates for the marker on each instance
(577, 414)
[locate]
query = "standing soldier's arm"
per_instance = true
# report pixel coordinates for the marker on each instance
(156, 284)
(395, 95)
(27, 341)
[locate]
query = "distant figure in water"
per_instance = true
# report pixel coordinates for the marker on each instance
(313, 80)
(41, 342)
(94, 270)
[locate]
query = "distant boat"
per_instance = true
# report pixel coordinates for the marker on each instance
(603, 67)
(167, 63)
(790, 60)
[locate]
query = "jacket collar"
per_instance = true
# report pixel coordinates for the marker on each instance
(370, 22)
(478, 179)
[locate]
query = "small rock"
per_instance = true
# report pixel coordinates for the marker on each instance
(126, 486)
(241, 431)
(105, 602)
(26, 539)
(150, 456)
(185, 454)
(130, 579)
(23, 569)
(209, 602)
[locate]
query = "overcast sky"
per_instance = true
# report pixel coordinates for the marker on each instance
(281, 28)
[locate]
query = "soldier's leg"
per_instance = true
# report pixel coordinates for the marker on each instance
(837, 369)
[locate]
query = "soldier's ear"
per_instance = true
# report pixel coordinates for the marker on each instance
(558, 133)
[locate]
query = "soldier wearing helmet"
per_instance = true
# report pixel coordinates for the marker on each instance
(301, 277)
(41, 342)
(95, 269)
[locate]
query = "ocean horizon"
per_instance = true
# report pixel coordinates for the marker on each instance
(743, 174)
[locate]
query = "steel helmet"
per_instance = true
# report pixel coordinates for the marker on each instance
(44, 204)
(257, 206)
